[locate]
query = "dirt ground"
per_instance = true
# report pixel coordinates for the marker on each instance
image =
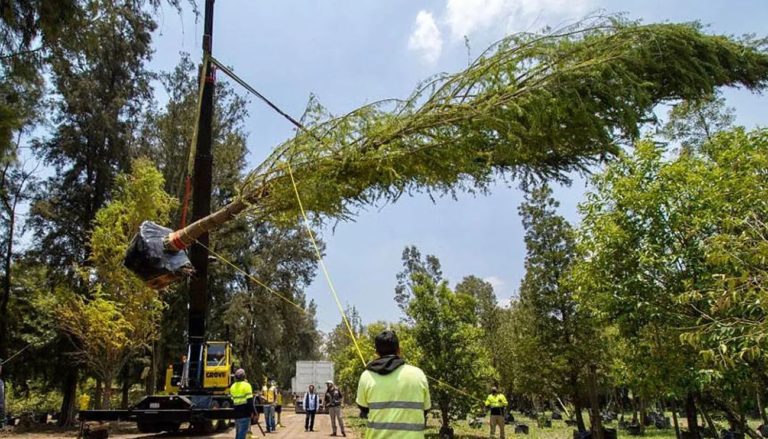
(293, 428)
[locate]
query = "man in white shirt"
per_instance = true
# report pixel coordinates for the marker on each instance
(310, 406)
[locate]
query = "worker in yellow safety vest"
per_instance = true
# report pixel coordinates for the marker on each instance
(269, 391)
(279, 405)
(242, 400)
(394, 396)
(497, 403)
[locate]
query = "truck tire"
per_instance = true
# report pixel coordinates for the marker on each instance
(209, 426)
(224, 424)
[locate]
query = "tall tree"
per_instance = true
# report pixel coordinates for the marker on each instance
(445, 327)
(692, 123)
(339, 338)
(15, 182)
(101, 84)
(487, 308)
(550, 329)
(413, 263)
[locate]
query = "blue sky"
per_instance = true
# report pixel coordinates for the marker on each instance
(352, 52)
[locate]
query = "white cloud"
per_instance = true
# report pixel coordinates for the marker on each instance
(426, 37)
(466, 16)
(495, 281)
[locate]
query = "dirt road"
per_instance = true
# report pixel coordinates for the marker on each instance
(293, 429)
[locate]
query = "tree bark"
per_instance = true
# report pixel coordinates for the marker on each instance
(760, 407)
(578, 408)
(106, 403)
(98, 394)
(635, 410)
(708, 420)
(126, 387)
(444, 415)
(691, 415)
(596, 423)
(6, 297)
(735, 419)
(674, 420)
(69, 391)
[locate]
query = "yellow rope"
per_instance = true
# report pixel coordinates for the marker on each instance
(312, 240)
(322, 265)
(254, 279)
(297, 306)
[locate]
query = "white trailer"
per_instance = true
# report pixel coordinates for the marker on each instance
(316, 373)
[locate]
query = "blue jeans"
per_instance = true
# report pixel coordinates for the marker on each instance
(269, 416)
(242, 426)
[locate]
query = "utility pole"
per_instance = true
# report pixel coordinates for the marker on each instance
(201, 207)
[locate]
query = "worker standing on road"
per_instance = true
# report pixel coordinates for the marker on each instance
(310, 406)
(394, 396)
(242, 399)
(334, 400)
(279, 404)
(497, 403)
(269, 405)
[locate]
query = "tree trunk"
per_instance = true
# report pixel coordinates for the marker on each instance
(708, 420)
(444, 415)
(735, 419)
(151, 383)
(97, 394)
(577, 408)
(674, 419)
(69, 392)
(691, 416)
(126, 387)
(106, 402)
(6, 297)
(596, 423)
(620, 399)
(760, 407)
(634, 410)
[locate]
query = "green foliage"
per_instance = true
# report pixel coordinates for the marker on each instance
(692, 123)
(486, 308)
(121, 316)
(547, 341)
(445, 327)
(34, 397)
(673, 245)
(530, 106)
(347, 360)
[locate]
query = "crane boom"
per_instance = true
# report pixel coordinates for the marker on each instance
(201, 207)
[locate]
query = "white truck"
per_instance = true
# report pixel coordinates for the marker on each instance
(316, 373)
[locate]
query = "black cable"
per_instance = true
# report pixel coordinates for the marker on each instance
(245, 85)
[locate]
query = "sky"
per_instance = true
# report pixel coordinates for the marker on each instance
(352, 52)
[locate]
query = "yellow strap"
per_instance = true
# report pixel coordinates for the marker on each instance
(322, 265)
(193, 146)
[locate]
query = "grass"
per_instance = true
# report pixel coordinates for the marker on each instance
(559, 430)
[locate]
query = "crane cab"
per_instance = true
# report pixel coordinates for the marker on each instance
(217, 370)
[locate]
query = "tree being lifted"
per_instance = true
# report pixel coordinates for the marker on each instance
(533, 106)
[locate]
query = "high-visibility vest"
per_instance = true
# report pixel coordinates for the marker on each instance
(496, 401)
(240, 392)
(269, 394)
(396, 403)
